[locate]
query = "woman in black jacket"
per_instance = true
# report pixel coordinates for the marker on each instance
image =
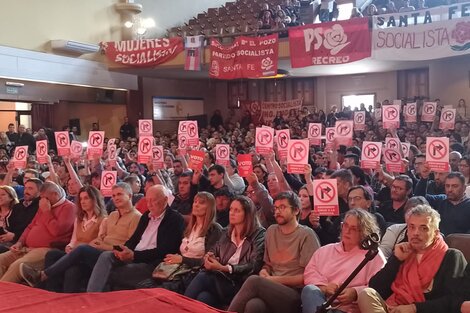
(237, 255)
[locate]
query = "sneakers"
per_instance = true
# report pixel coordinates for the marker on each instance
(30, 275)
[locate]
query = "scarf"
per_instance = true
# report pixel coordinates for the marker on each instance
(414, 277)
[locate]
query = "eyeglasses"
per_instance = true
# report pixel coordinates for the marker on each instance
(281, 208)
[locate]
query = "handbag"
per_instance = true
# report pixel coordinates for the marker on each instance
(168, 272)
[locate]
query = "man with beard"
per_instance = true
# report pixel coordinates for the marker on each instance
(426, 185)
(400, 190)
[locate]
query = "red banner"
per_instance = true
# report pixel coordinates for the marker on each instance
(246, 57)
(330, 43)
(143, 53)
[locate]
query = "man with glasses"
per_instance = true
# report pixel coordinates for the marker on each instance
(393, 210)
(289, 247)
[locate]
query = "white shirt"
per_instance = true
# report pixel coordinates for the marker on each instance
(235, 258)
(149, 237)
(193, 246)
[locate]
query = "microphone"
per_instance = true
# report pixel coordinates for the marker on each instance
(370, 242)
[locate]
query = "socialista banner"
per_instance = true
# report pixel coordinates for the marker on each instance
(246, 57)
(143, 53)
(422, 35)
(330, 43)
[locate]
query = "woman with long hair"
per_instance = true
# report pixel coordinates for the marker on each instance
(237, 255)
(8, 199)
(201, 234)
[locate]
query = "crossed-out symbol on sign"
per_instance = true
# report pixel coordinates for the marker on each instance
(325, 192)
(96, 140)
(437, 149)
(392, 156)
(192, 129)
(372, 151)
(222, 152)
(62, 140)
(264, 137)
(182, 142)
(359, 118)
(411, 109)
(77, 148)
(145, 126)
(183, 127)
(145, 146)
(392, 144)
(20, 153)
(42, 148)
(314, 131)
(404, 148)
(330, 134)
(108, 180)
(429, 108)
(156, 153)
(448, 116)
(391, 113)
(297, 151)
(344, 130)
(283, 140)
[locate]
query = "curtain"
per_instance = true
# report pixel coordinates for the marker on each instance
(42, 115)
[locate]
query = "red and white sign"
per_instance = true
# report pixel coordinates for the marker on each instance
(344, 132)
(245, 164)
(95, 144)
(196, 160)
(329, 138)
(145, 153)
(437, 153)
(370, 156)
(145, 128)
(314, 133)
(405, 147)
(269, 110)
(429, 112)
(108, 180)
(282, 141)
(112, 154)
(297, 156)
(359, 120)
(183, 144)
(391, 116)
(190, 129)
(21, 156)
(42, 151)
(246, 57)
(325, 197)
(330, 43)
(111, 141)
(447, 118)
(143, 53)
(411, 111)
(76, 149)
(392, 143)
(158, 160)
(378, 114)
(393, 161)
(264, 140)
(62, 140)
(222, 154)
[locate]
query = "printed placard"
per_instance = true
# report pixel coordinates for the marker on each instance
(393, 161)
(344, 132)
(391, 116)
(359, 120)
(62, 140)
(314, 133)
(378, 114)
(429, 112)
(196, 160)
(190, 130)
(76, 149)
(21, 156)
(95, 144)
(297, 156)
(447, 118)
(282, 141)
(42, 151)
(183, 144)
(411, 112)
(264, 141)
(158, 160)
(222, 154)
(245, 164)
(145, 152)
(392, 143)
(108, 180)
(325, 197)
(405, 147)
(112, 154)
(145, 128)
(371, 152)
(437, 153)
(329, 138)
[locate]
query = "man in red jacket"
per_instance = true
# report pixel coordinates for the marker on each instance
(51, 226)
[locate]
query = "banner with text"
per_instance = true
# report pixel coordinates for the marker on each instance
(270, 109)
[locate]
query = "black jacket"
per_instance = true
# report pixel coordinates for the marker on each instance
(170, 234)
(437, 300)
(213, 235)
(20, 217)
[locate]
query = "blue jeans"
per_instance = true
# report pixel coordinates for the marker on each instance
(312, 298)
(211, 288)
(83, 254)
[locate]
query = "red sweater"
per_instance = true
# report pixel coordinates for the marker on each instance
(55, 225)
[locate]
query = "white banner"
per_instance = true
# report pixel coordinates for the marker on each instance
(422, 35)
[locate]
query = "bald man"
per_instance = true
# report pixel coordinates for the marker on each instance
(159, 232)
(454, 160)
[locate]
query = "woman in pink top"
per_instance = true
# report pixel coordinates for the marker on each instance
(332, 264)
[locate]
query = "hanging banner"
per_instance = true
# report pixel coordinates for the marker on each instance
(314, 133)
(410, 113)
(447, 118)
(391, 116)
(282, 141)
(433, 33)
(246, 57)
(344, 132)
(194, 51)
(429, 112)
(143, 53)
(297, 156)
(254, 109)
(270, 109)
(330, 43)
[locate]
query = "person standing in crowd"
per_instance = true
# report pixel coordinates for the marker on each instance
(127, 130)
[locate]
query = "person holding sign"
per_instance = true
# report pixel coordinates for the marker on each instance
(330, 265)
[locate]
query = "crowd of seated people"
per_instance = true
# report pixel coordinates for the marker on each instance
(251, 244)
